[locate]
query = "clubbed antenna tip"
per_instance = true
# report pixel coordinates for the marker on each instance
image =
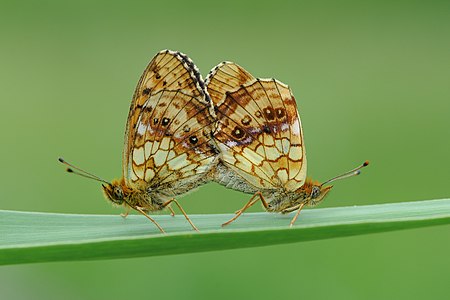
(354, 172)
(75, 170)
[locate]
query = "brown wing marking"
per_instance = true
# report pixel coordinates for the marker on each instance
(280, 122)
(239, 133)
(259, 124)
(169, 95)
(225, 77)
(229, 77)
(296, 147)
(172, 138)
(237, 154)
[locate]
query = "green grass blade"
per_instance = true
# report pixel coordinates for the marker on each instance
(27, 237)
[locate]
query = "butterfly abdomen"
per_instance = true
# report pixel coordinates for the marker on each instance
(231, 179)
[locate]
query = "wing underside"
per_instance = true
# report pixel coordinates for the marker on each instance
(169, 128)
(259, 130)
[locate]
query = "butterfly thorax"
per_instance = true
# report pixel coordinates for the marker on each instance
(119, 193)
(282, 200)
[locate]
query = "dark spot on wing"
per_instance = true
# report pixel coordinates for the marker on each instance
(269, 113)
(280, 113)
(193, 139)
(165, 121)
(238, 132)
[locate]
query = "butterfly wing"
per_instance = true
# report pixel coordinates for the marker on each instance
(168, 136)
(226, 77)
(259, 130)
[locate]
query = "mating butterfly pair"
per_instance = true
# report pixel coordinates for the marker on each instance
(242, 132)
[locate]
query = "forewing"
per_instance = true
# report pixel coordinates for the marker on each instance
(226, 77)
(259, 133)
(169, 125)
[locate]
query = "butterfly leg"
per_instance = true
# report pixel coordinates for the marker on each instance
(249, 204)
(126, 213)
(182, 210)
(300, 206)
(252, 201)
(139, 209)
(172, 213)
(290, 209)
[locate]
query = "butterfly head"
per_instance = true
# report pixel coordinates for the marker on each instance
(312, 192)
(315, 192)
(115, 192)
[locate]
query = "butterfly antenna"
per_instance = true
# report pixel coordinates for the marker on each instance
(75, 170)
(353, 172)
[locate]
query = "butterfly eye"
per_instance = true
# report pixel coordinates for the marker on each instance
(118, 193)
(315, 192)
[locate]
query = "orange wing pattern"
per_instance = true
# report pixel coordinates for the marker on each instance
(259, 130)
(168, 136)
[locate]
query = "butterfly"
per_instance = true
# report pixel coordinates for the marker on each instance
(260, 137)
(168, 148)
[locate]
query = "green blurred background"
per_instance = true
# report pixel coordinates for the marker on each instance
(372, 82)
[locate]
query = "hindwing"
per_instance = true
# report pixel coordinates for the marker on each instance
(259, 130)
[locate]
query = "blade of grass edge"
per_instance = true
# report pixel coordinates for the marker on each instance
(43, 237)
